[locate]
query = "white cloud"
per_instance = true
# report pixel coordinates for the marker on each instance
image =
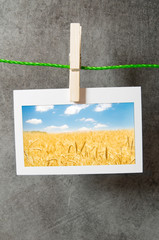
(102, 107)
(56, 128)
(99, 125)
(34, 121)
(87, 120)
(82, 119)
(44, 108)
(83, 129)
(74, 109)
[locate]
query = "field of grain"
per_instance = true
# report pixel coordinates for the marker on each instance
(79, 148)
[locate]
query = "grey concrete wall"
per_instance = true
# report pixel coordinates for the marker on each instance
(105, 207)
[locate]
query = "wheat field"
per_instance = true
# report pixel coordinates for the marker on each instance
(79, 148)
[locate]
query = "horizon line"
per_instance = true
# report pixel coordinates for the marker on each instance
(78, 131)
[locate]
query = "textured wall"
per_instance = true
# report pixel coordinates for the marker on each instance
(104, 207)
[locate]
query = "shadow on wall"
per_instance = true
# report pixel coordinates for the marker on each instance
(149, 179)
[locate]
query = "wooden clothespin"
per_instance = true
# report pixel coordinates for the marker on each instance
(75, 61)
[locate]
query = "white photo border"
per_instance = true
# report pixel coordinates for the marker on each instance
(61, 96)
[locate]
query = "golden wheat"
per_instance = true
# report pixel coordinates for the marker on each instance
(79, 148)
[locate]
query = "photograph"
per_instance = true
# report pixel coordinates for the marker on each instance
(101, 134)
(79, 134)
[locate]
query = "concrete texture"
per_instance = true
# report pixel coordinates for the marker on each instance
(105, 207)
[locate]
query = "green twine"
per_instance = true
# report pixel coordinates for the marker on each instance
(82, 67)
(121, 66)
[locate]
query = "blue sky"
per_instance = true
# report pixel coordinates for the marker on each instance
(78, 117)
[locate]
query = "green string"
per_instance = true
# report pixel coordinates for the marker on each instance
(82, 67)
